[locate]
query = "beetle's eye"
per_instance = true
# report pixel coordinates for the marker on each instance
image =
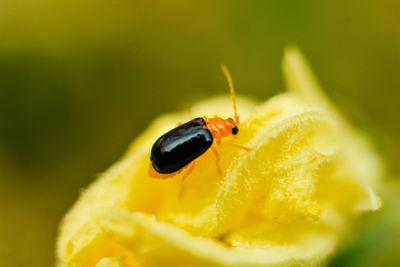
(235, 130)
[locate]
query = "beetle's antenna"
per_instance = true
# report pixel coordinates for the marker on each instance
(232, 90)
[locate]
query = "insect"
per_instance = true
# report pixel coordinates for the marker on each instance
(178, 148)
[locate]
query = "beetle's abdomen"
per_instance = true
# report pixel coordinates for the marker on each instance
(177, 148)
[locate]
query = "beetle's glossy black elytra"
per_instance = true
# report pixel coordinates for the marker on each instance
(177, 148)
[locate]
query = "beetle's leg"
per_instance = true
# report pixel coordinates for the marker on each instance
(190, 169)
(240, 146)
(217, 160)
(185, 175)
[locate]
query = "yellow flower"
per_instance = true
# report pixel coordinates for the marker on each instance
(287, 201)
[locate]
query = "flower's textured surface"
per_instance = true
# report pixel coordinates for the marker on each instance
(285, 202)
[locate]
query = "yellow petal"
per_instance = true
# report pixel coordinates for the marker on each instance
(116, 261)
(161, 244)
(356, 151)
(288, 200)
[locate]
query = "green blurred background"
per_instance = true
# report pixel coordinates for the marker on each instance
(80, 79)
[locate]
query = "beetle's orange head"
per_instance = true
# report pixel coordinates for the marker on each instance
(230, 123)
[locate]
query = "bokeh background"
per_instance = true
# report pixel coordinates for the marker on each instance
(79, 79)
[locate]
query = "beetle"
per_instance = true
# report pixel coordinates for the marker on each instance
(179, 147)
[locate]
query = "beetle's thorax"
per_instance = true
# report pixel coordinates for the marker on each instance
(219, 127)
